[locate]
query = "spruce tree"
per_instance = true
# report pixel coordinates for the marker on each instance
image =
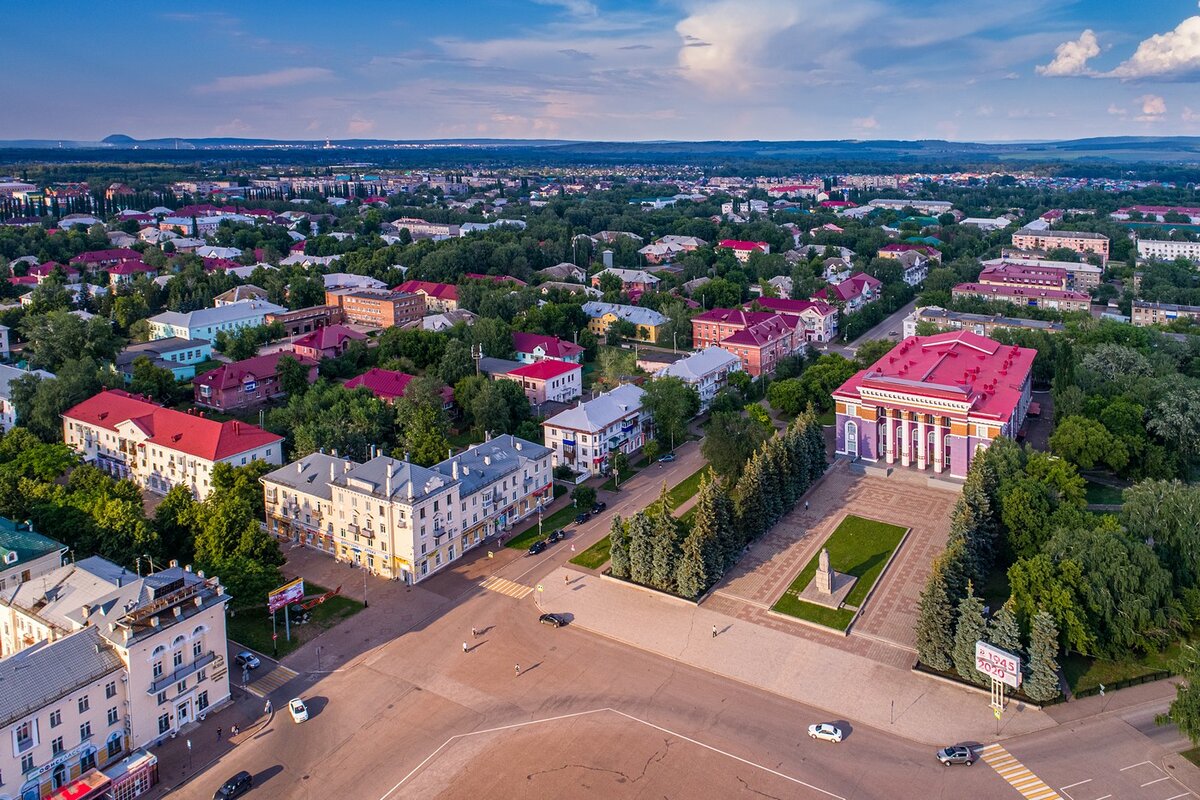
(619, 552)
(772, 484)
(971, 628)
(666, 545)
(1003, 631)
(641, 547)
(702, 559)
(818, 458)
(751, 500)
(935, 622)
(1042, 683)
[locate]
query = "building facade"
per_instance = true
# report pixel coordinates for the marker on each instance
(1079, 241)
(208, 322)
(24, 555)
(817, 319)
(1168, 250)
(1056, 299)
(646, 321)
(979, 324)
(584, 437)
(548, 380)
(178, 355)
(306, 320)
(707, 371)
(377, 308)
(1144, 314)
(934, 401)
(248, 383)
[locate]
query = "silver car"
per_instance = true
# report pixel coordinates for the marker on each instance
(956, 755)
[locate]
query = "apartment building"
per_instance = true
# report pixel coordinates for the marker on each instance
(248, 383)
(584, 437)
(206, 323)
(1144, 313)
(632, 280)
(547, 380)
(646, 321)
(1079, 241)
(25, 555)
(1168, 250)
(8, 410)
(403, 521)
(378, 308)
(156, 447)
(1057, 299)
(1081, 276)
(178, 355)
(707, 371)
(1021, 275)
(306, 320)
(979, 324)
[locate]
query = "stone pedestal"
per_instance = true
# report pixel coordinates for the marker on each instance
(828, 587)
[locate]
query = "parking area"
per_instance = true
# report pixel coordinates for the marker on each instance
(1144, 780)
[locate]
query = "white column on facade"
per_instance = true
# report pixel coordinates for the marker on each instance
(889, 431)
(922, 442)
(905, 440)
(939, 443)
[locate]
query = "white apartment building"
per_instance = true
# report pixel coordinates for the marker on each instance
(25, 555)
(403, 521)
(206, 323)
(583, 437)
(1168, 250)
(8, 411)
(158, 447)
(706, 371)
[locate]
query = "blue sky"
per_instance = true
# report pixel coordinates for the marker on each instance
(604, 69)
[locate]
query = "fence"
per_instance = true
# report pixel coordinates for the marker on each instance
(1149, 677)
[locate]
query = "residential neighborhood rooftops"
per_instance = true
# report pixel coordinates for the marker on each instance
(635, 314)
(310, 474)
(485, 463)
(739, 244)
(9, 373)
(551, 346)
(214, 316)
(440, 291)
(327, 337)
(65, 589)
(47, 671)
(545, 369)
(601, 411)
(699, 364)
(1022, 291)
(20, 544)
(235, 374)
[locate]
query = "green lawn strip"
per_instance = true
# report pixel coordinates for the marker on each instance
(559, 519)
(610, 485)
(1192, 755)
(685, 489)
(252, 626)
(596, 555)
(827, 418)
(1101, 495)
(1084, 672)
(859, 547)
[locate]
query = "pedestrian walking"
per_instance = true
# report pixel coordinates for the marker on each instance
(806, 505)
(267, 708)
(517, 668)
(566, 578)
(714, 631)
(474, 633)
(218, 733)
(234, 730)
(464, 647)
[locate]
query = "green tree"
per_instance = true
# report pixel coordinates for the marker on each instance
(672, 404)
(788, 396)
(154, 382)
(1084, 442)
(651, 449)
(584, 497)
(641, 548)
(1042, 683)
(666, 545)
(1003, 631)
(730, 439)
(293, 376)
(935, 621)
(969, 629)
(424, 432)
(867, 353)
(702, 559)
(1165, 512)
(456, 362)
(173, 520)
(619, 551)
(619, 462)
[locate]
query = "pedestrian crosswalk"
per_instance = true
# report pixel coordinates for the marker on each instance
(271, 681)
(1017, 774)
(505, 586)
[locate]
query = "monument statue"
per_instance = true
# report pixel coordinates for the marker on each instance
(824, 577)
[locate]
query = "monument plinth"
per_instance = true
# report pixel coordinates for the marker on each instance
(828, 587)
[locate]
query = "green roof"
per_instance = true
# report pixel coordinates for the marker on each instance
(21, 541)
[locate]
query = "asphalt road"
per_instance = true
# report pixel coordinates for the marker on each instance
(894, 323)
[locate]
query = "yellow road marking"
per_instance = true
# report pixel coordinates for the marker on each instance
(1017, 774)
(271, 681)
(506, 587)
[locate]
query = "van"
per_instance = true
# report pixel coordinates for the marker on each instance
(236, 786)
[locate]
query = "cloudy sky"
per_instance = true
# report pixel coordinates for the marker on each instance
(604, 69)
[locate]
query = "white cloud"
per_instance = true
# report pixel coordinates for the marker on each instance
(1174, 54)
(1189, 115)
(579, 8)
(1153, 108)
(357, 126)
(866, 123)
(1070, 58)
(1116, 111)
(267, 80)
(232, 128)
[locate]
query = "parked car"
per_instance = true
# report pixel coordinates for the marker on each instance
(582, 518)
(556, 620)
(598, 506)
(823, 730)
(236, 786)
(956, 755)
(556, 535)
(298, 710)
(247, 660)
(667, 459)
(537, 547)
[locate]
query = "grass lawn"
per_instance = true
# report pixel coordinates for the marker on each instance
(1192, 755)
(559, 519)
(610, 485)
(859, 547)
(1087, 673)
(686, 488)
(1099, 494)
(827, 418)
(595, 556)
(252, 626)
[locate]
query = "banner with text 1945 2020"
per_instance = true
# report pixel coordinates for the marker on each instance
(288, 593)
(998, 664)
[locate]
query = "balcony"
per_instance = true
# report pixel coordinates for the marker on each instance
(181, 672)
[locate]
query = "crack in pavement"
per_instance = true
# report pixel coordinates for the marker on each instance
(655, 758)
(746, 785)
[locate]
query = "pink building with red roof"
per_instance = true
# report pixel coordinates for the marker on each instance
(1006, 274)
(103, 259)
(534, 347)
(158, 448)
(439, 297)
(818, 318)
(742, 250)
(859, 290)
(127, 271)
(389, 385)
(560, 381)
(46, 269)
(329, 341)
(758, 338)
(933, 401)
(1032, 296)
(246, 383)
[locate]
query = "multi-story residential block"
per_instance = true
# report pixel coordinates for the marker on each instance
(933, 401)
(817, 319)
(24, 555)
(1058, 299)
(707, 371)
(1079, 241)
(1144, 313)
(156, 447)
(979, 324)
(378, 308)
(1159, 213)
(646, 321)
(8, 410)
(548, 380)
(759, 339)
(1022, 275)
(306, 320)
(439, 297)
(247, 383)
(632, 280)
(208, 322)
(533, 347)
(420, 229)
(584, 437)
(1168, 250)
(934, 207)
(403, 521)
(854, 293)
(178, 355)
(1081, 276)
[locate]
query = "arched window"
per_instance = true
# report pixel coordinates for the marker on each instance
(162, 648)
(852, 439)
(178, 641)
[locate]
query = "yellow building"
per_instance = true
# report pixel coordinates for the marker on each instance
(603, 315)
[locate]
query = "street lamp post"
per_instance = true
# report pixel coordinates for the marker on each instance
(365, 603)
(318, 658)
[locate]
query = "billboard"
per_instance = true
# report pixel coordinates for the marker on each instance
(288, 593)
(998, 664)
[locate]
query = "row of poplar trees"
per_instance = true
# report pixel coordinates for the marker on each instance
(656, 549)
(950, 616)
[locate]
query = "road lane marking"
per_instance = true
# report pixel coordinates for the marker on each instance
(1017, 774)
(274, 679)
(1156, 780)
(515, 725)
(1131, 766)
(1076, 783)
(1176, 797)
(506, 587)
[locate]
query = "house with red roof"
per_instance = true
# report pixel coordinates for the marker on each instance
(742, 250)
(246, 383)
(44, 270)
(560, 381)
(857, 291)
(534, 347)
(389, 385)
(760, 339)
(103, 259)
(158, 448)
(329, 341)
(127, 271)
(439, 297)
(818, 319)
(933, 401)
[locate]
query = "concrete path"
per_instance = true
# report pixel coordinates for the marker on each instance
(866, 691)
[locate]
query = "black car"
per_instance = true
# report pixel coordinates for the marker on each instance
(537, 547)
(236, 786)
(556, 535)
(599, 506)
(581, 518)
(557, 620)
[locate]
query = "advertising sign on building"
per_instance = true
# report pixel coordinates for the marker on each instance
(288, 593)
(998, 664)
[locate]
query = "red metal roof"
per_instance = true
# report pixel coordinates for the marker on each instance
(175, 430)
(232, 376)
(384, 383)
(329, 336)
(544, 369)
(441, 291)
(553, 346)
(100, 256)
(782, 305)
(738, 244)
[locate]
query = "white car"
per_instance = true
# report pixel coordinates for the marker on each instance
(823, 730)
(299, 711)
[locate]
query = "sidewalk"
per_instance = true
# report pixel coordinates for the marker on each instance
(864, 690)
(174, 758)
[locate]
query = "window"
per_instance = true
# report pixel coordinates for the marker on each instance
(110, 690)
(202, 700)
(84, 704)
(177, 659)
(112, 716)
(201, 676)
(55, 718)
(87, 761)
(114, 746)
(161, 698)
(181, 687)
(157, 669)
(164, 723)
(85, 731)
(56, 746)
(25, 736)
(26, 762)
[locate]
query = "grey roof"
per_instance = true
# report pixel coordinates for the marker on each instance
(48, 671)
(59, 592)
(310, 475)
(392, 478)
(9, 374)
(484, 464)
(693, 368)
(635, 314)
(937, 312)
(213, 316)
(110, 612)
(155, 348)
(497, 366)
(24, 543)
(601, 411)
(245, 291)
